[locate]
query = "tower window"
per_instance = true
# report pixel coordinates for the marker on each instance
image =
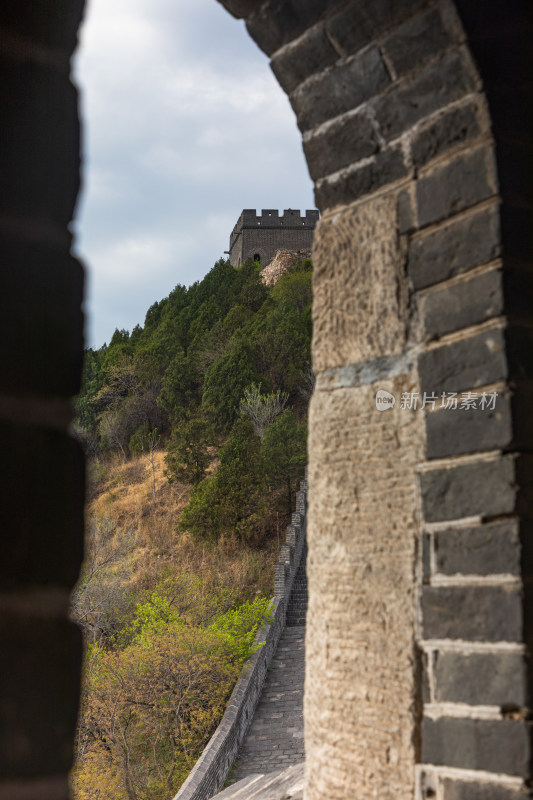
(257, 257)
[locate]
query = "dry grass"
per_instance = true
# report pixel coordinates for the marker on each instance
(123, 494)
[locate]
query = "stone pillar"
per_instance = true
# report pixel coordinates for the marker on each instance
(42, 483)
(416, 677)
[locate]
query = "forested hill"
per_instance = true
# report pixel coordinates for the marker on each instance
(223, 362)
(195, 427)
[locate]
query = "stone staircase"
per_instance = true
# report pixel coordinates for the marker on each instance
(297, 606)
(285, 785)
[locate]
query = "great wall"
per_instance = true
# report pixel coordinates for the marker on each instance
(416, 121)
(262, 729)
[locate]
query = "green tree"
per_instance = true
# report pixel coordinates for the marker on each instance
(226, 380)
(188, 454)
(283, 450)
(262, 409)
(232, 501)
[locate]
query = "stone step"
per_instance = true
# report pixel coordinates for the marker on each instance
(287, 783)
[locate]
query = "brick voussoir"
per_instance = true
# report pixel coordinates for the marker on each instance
(455, 247)
(480, 487)
(472, 613)
(501, 746)
(386, 168)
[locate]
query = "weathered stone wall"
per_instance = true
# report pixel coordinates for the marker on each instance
(416, 669)
(265, 234)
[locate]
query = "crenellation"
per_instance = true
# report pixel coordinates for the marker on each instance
(260, 236)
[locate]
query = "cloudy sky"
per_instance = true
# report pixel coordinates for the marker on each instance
(184, 126)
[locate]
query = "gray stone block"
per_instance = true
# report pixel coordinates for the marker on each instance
(472, 362)
(450, 129)
(474, 613)
(494, 746)
(485, 550)
(388, 166)
(344, 143)
(486, 487)
(359, 22)
(458, 431)
(274, 24)
(434, 88)
(417, 41)
(406, 216)
(463, 304)
(469, 790)
(455, 248)
(461, 183)
(340, 89)
(497, 679)
(426, 557)
(310, 54)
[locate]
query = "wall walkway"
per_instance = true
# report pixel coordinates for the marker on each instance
(271, 682)
(275, 739)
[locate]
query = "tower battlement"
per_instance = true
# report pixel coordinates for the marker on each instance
(261, 236)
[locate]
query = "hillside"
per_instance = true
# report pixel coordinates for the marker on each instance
(195, 427)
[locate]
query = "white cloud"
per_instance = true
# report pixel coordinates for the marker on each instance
(185, 127)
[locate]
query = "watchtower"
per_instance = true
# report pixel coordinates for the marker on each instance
(260, 237)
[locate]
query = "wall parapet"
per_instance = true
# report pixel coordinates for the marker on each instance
(211, 770)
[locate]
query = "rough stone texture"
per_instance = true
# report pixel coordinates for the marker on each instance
(340, 89)
(455, 248)
(275, 739)
(495, 746)
(484, 487)
(360, 686)
(311, 54)
(275, 23)
(282, 263)
(438, 85)
(488, 549)
(343, 143)
(469, 430)
(469, 790)
(359, 285)
(481, 679)
(418, 40)
(474, 613)
(463, 182)
(406, 214)
(360, 23)
(449, 130)
(468, 302)
(476, 361)
(388, 166)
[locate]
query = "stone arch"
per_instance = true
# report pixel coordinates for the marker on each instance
(419, 552)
